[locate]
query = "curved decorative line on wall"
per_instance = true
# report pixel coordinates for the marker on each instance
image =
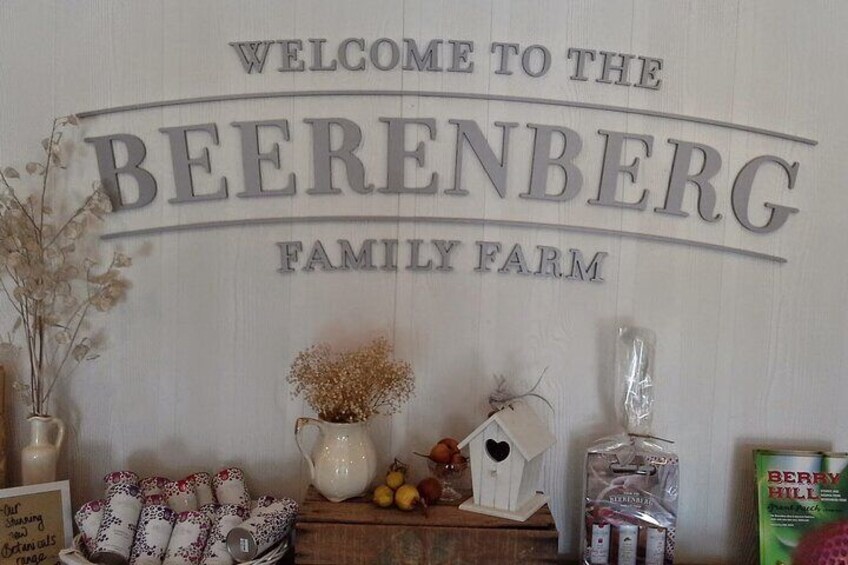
(252, 222)
(452, 95)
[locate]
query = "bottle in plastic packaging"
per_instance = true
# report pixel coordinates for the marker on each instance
(631, 481)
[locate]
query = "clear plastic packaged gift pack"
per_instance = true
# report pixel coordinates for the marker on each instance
(632, 478)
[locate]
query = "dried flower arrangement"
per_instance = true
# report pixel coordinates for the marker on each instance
(352, 386)
(47, 276)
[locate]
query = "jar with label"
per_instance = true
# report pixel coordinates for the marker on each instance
(118, 526)
(262, 531)
(153, 534)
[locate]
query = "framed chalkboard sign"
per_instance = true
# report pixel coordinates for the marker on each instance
(35, 523)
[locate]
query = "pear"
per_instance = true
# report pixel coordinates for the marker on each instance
(441, 453)
(407, 497)
(383, 496)
(452, 444)
(430, 490)
(395, 479)
(397, 474)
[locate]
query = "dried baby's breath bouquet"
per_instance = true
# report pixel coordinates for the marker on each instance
(352, 386)
(46, 274)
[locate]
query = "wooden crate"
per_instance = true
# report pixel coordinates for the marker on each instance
(356, 531)
(3, 471)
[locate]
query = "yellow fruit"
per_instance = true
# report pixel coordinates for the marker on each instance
(407, 497)
(394, 479)
(383, 496)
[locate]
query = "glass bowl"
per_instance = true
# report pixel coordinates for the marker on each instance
(454, 479)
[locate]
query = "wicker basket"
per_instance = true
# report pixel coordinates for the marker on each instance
(76, 555)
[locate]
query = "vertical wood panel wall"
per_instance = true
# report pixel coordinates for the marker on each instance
(750, 352)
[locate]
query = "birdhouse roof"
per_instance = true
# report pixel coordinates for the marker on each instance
(527, 432)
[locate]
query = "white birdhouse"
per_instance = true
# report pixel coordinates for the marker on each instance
(506, 461)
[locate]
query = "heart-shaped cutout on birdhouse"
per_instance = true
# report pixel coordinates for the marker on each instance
(497, 450)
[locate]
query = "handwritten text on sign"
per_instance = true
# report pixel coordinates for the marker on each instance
(32, 530)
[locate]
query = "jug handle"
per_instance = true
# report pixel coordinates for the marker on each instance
(60, 432)
(299, 425)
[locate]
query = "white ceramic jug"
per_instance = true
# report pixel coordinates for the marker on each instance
(343, 462)
(39, 458)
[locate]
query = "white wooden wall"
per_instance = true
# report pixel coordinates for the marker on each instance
(750, 353)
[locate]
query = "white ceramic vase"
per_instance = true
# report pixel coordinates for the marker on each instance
(343, 463)
(39, 458)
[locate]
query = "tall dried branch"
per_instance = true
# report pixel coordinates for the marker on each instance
(46, 275)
